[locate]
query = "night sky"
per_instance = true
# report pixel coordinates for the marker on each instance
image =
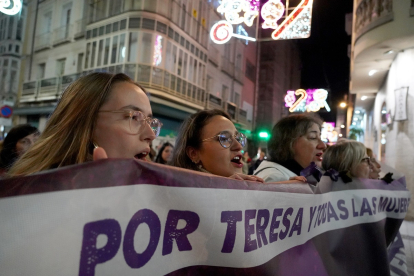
(324, 56)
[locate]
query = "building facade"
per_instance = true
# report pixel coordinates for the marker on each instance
(382, 82)
(162, 44)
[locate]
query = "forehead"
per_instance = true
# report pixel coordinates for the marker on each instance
(217, 124)
(314, 129)
(127, 94)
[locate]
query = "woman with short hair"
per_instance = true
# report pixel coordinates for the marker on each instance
(106, 112)
(294, 144)
(348, 156)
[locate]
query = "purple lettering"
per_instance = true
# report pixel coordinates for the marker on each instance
(355, 214)
(297, 224)
(249, 243)
(286, 223)
(260, 227)
(92, 256)
(365, 208)
(331, 212)
(394, 203)
(231, 217)
(179, 235)
(312, 213)
(342, 208)
(382, 203)
(274, 224)
(374, 205)
(132, 258)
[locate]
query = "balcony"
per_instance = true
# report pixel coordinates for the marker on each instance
(214, 102)
(382, 29)
(227, 66)
(239, 75)
(80, 28)
(371, 14)
(62, 34)
(148, 76)
(214, 55)
(43, 41)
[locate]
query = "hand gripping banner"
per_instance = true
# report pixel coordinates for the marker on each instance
(126, 217)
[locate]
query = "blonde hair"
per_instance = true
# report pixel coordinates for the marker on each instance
(67, 138)
(343, 156)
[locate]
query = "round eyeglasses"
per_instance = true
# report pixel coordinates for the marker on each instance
(226, 139)
(366, 159)
(136, 119)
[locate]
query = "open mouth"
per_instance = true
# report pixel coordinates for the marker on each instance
(237, 160)
(141, 156)
(319, 156)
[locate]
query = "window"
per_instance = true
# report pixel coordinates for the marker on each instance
(146, 53)
(133, 45)
(79, 64)
(106, 51)
(150, 5)
(93, 53)
(121, 56)
(41, 70)
(100, 51)
(60, 66)
(250, 71)
(224, 93)
(114, 50)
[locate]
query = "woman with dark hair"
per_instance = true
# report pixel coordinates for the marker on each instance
(209, 142)
(295, 143)
(165, 154)
(19, 139)
(100, 115)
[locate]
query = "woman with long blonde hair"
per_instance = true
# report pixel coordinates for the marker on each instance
(100, 109)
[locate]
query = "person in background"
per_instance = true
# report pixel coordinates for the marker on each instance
(376, 167)
(19, 139)
(164, 155)
(100, 115)
(209, 142)
(295, 143)
(349, 156)
(246, 160)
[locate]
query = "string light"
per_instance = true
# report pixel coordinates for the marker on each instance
(16, 6)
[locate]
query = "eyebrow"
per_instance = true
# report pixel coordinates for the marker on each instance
(133, 107)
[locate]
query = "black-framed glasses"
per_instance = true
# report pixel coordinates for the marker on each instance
(135, 121)
(366, 159)
(226, 139)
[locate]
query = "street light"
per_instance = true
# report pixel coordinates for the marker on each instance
(342, 105)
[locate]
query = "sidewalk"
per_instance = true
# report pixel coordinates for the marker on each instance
(407, 233)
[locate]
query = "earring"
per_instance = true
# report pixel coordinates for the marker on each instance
(95, 145)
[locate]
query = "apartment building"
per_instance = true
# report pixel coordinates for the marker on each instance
(162, 44)
(382, 81)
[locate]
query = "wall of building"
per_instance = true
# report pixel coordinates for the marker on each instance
(399, 135)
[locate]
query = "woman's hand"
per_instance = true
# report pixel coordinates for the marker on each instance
(240, 176)
(299, 178)
(99, 153)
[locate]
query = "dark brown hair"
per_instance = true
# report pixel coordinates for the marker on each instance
(190, 136)
(285, 133)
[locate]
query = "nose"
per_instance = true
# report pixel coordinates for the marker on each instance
(147, 134)
(236, 146)
(321, 145)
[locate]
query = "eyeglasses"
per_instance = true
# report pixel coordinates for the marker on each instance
(226, 139)
(366, 159)
(135, 121)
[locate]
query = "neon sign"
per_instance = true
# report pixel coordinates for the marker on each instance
(271, 12)
(157, 58)
(16, 6)
(286, 21)
(236, 12)
(297, 24)
(311, 100)
(328, 133)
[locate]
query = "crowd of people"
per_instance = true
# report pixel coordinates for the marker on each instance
(103, 115)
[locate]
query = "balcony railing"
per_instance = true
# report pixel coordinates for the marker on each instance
(43, 41)
(227, 66)
(213, 54)
(147, 76)
(79, 28)
(62, 34)
(371, 14)
(238, 75)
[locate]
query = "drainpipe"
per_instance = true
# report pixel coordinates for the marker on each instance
(33, 40)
